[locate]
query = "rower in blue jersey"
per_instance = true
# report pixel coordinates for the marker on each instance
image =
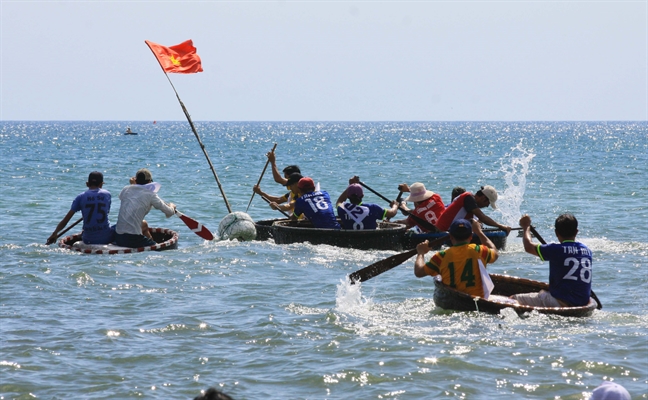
(356, 215)
(94, 205)
(315, 205)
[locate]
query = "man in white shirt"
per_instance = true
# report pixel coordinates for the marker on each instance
(136, 201)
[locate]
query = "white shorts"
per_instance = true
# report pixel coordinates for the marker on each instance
(540, 299)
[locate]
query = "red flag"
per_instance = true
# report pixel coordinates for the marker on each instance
(181, 58)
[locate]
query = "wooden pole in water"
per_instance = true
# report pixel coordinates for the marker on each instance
(202, 146)
(193, 128)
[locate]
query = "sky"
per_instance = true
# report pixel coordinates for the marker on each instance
(327, 60)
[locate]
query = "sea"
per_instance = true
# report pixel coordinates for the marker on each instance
(259, 320)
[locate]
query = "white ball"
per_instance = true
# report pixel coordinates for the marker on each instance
(237, 225)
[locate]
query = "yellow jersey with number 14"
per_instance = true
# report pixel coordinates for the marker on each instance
(459, 267)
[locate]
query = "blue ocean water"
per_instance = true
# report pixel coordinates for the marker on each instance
(259, 320)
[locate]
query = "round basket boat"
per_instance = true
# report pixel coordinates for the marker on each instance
(166, 240)
(505, 286)
(265, 228)
(386, 237)
(410, 239)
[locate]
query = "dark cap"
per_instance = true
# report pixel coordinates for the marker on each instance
(457, 191)
(306, 183)
(143, 177)
(291, 169)
(293, 178)
(461, 229)
(95, 178)
(355, 190)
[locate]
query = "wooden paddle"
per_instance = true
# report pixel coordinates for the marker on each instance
(498, 229)
(261, 177)
(420, 221)
(67, 229)
(536, 234)
(388, 263)
(281, 211)
(592, 294)
(399, 197)
(195, 226)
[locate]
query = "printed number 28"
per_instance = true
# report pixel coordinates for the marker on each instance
(585, 272)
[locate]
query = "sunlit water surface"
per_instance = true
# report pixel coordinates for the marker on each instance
(260, 320)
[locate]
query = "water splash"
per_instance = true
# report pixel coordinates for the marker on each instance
(515, 167)
(349, 297)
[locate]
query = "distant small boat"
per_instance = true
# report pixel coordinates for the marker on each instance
(129, 132)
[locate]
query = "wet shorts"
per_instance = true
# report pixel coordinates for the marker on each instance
(133, 241)
(540, 299)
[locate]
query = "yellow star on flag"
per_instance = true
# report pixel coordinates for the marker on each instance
(179, 59)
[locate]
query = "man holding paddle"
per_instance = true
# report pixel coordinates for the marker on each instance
(356, 215)
(467, 206)
(315, 205)
(289, 198)
(428, 206)
(463, 265)
(136, 201)
(570, 266)
(94, 205)
(291, 169)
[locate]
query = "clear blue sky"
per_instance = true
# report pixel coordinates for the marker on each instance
(327, 61)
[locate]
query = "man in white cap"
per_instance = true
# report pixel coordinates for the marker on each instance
(428, 205)
(467, 206)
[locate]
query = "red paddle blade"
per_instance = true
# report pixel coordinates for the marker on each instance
(196, 227)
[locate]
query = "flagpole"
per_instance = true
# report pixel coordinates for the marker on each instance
(193, 128)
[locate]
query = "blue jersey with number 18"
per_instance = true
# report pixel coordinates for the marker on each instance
(317, 207)
(570, 271)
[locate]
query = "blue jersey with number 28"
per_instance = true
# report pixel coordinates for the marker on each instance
(570, 271)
